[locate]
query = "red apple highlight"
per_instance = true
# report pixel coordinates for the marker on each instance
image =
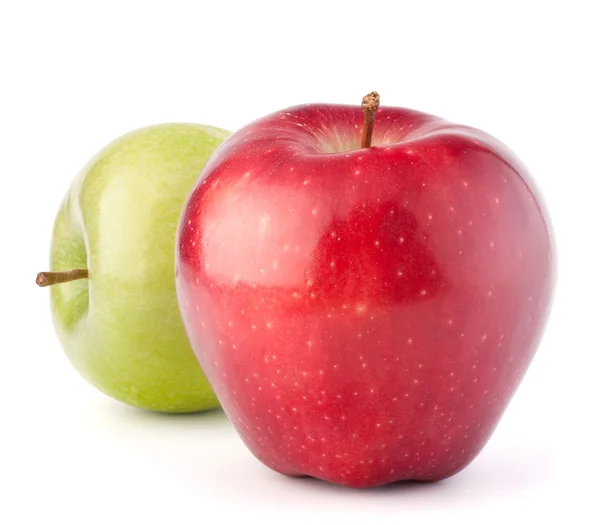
(364, 314)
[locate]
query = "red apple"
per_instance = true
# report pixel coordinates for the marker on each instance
(364, 314)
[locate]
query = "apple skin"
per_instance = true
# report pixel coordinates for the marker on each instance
(364, 315)
(121, 328)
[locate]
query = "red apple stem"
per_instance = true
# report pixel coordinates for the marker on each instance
(370, 103)
(51, 278)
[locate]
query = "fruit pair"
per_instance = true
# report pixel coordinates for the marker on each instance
(363, 288)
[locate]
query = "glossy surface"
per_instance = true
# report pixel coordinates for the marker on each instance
(364, 315)
(122, 328)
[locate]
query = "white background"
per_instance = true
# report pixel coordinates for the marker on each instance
(74, 76)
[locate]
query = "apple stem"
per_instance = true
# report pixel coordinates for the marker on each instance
(50, 278)
(370, 103)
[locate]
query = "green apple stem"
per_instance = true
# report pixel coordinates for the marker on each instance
(370, 103)
(51, 278)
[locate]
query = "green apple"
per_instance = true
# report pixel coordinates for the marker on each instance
(113, 299)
